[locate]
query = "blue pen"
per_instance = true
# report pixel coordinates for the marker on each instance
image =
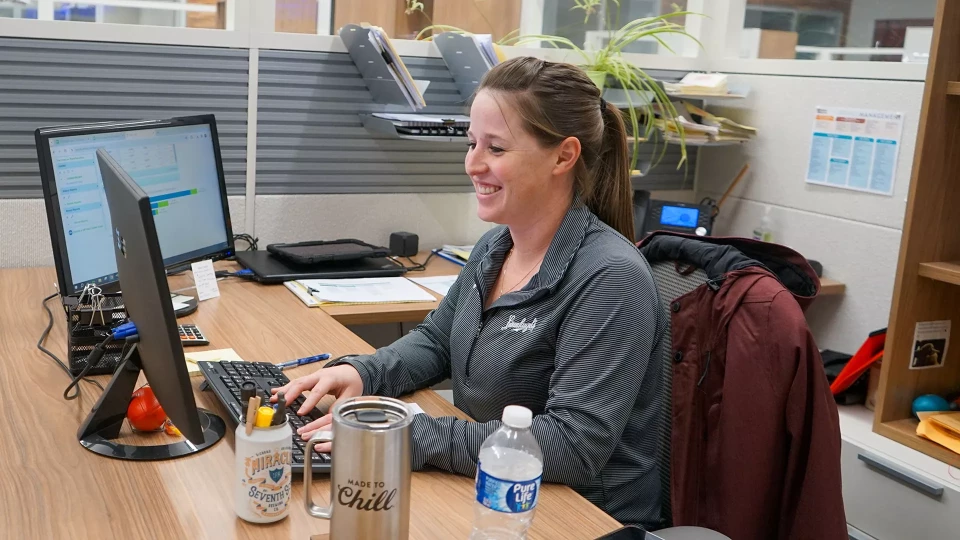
(304, 361)
(452, 259)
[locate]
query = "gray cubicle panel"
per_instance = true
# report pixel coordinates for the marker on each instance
(310, 138)
(48, 83)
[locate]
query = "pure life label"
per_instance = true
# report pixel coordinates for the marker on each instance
(506, 495)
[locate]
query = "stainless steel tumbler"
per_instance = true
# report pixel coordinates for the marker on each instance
(370, 472)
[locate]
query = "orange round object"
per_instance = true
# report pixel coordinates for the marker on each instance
(144, 411)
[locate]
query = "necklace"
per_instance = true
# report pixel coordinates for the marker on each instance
(518, 281)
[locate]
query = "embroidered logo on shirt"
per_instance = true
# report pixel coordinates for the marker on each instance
(521, 326)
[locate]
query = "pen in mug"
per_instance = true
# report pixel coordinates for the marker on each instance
(304, 361)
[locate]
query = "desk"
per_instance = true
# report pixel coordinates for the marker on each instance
(54, 488)
(417, 311)
(413, 312)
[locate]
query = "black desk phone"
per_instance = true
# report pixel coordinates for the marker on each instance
(651, 215)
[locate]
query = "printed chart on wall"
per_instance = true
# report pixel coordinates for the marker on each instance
(855, 149)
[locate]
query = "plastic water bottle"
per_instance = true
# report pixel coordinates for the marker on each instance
(508, 479)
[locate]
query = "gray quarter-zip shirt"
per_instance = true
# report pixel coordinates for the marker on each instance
(578, 345)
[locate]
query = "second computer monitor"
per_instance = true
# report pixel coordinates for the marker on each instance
(176, 162)
(134, 248)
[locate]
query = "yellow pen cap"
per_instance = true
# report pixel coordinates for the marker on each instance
(264, 417)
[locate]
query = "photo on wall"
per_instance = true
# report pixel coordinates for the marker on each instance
(930, 341)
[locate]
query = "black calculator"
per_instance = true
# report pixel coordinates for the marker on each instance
(190, 335)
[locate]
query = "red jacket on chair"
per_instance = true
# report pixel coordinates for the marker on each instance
(755, 450)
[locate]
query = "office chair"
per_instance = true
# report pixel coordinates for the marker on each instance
(671, 285)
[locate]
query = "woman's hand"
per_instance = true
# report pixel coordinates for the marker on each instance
(342, 381)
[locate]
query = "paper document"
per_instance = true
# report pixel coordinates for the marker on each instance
(855, 149)
(411, 89)
(461, 252)
(437, 284)
(302, 293)
(366, 291)
(941, 428)
(218, 355)
(205, 279)
(702, 83)
(415, 409)
(487, 48)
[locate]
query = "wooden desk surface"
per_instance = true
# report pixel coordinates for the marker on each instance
(416, 312)
(54, 488)
(396, 313)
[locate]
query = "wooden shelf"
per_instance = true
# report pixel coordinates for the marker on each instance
(930, 235)
(905, 432)
(946, 272)
(831, 287)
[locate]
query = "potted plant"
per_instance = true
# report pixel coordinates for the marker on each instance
(608, 68)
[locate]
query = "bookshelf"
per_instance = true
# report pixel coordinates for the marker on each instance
(927, 286)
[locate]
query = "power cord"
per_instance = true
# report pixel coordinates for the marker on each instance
(417, 267)
(127, 332)
(243, 273)
(43, 337)
(250, 240)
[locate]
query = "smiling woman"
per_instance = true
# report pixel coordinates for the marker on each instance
(555, 311)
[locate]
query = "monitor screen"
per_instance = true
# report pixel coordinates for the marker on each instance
(176, 165)
(679, 216)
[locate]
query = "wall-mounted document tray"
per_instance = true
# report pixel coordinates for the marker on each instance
(384, 84)
(463, 58)
(418, 127)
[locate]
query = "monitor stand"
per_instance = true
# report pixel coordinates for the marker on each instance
(102, 425)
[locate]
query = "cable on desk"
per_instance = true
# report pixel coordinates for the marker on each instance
(417, 267)
(244, 237)
(43, 337)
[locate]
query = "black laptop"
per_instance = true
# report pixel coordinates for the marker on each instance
(269, 269)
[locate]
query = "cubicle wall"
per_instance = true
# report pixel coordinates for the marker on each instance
(319, 173)
(310, 138)
(48, 83)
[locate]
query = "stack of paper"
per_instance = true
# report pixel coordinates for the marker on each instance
(941, 428)
(711, 84)
(460, 252)
(365, 291)
(702, 127)
(438, 284)
(488, 49)
(412, 90)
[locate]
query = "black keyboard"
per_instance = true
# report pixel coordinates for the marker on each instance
(224, 378)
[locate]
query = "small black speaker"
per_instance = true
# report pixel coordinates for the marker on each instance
(404, 244)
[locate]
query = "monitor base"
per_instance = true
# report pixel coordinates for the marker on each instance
(213, 430)
(102, 425)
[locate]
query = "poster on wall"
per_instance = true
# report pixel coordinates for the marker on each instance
(855, 149)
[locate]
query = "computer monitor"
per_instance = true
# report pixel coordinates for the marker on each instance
(158, 352)
(176, 162)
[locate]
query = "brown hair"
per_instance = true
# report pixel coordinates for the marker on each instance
(556, 101)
